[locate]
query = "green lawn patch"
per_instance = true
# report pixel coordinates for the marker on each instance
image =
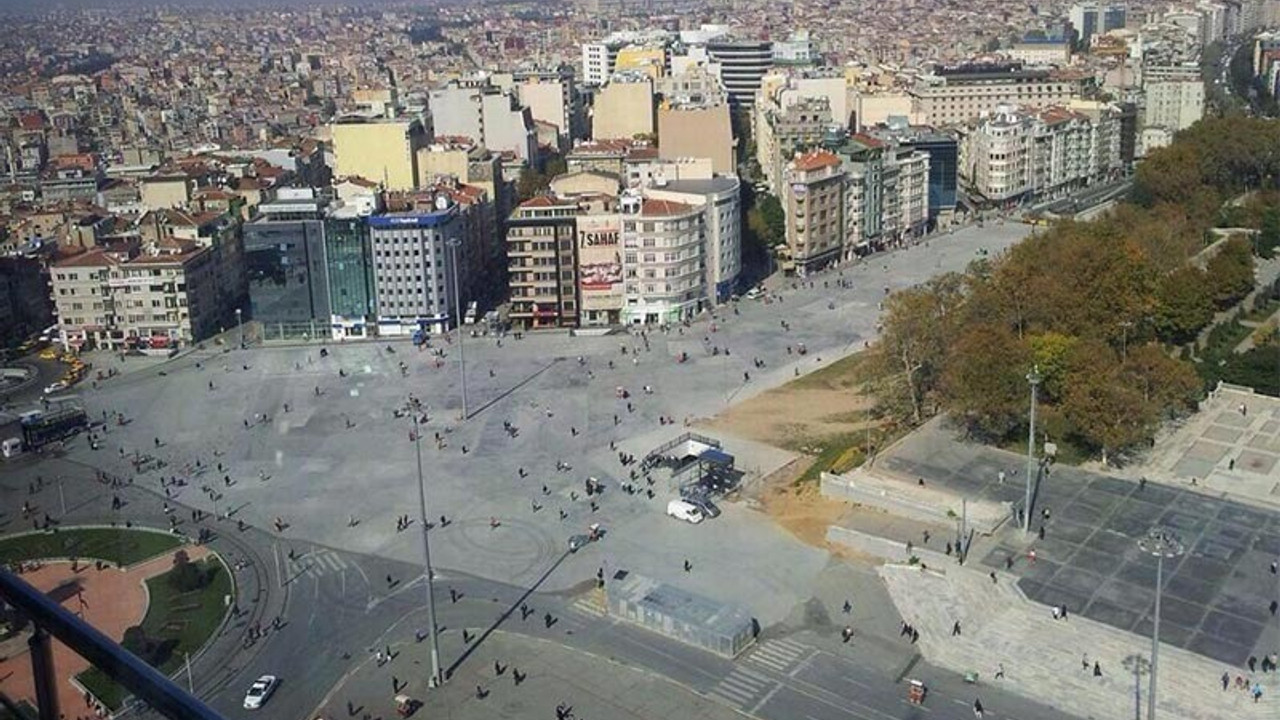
(845, 373)
(114, 545)
(177, 623)
(1263, 311)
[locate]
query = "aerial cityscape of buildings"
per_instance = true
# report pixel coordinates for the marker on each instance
(126, 158)
(288, 256)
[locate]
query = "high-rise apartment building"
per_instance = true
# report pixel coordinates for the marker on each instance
(1173, 100)
(475, 108)
(719, 198)
(743, 64)
(813, 200)
(379, 149)
(159, 297)
(697, 126)
(1090, 19)
(624, 108)
(542, 263)
(413, 269)
(663, 260)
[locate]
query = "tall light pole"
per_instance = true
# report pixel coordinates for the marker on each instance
(414, 408)
(453, 244)
(240, 329)
(1162, 543)
(1034, 378)
(1124, 341)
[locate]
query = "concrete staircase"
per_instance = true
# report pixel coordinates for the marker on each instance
(1042, 656)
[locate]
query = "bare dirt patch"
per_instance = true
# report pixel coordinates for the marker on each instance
(825, 404)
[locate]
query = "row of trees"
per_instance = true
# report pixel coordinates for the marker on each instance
(1096, 307)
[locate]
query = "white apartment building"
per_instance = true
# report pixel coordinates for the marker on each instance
(413, 269)
(1018, 153)
(664, 260)
(719, 199)
(958, 96)
(161, 297)
(1173, 100)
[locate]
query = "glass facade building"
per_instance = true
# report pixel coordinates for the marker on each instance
(350, 270)
(285, 263)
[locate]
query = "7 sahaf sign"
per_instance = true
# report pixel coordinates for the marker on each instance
(597, 238)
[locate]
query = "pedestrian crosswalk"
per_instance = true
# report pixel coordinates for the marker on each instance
(779, 655)
(743, 688)
(588, 606)
(323, 562)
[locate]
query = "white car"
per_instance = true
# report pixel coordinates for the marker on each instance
(55, 388)
(259, 691)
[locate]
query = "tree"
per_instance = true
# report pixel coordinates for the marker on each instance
(1168, 386)
(917, 330)
(774, 218)
(136, 641)
(1269, 232)
(1184, 305)
(1230, 272)
(531, 183)
(1051, 354)
(185, 576)
(1105, 413)
(983, 379)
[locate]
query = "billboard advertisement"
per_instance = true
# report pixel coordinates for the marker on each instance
(600, 262)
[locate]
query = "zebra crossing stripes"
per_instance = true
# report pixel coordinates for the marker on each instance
(587, 606)
(779, 655)
(742, 688)
(324, 562)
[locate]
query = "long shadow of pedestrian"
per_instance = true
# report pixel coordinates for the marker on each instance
(515, 605)
(513, 388)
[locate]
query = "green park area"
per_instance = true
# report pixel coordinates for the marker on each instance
(1127, 319)
(186, 603)
(113, 545)
(186, 606)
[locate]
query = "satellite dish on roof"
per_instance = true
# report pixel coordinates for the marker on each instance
(442, 202)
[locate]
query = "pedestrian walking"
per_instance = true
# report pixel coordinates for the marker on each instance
(1226, 681)
(848, 607)
(688, 566)
(846, 633)
(1253, 663)
(1097, 669)
(955, 629)
(1084, 662)
(993, 578)
(977, 708)
(1000, 671)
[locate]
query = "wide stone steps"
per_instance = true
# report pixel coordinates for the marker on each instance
(1042, 656)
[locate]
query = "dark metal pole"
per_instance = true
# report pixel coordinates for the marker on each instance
(44, 674)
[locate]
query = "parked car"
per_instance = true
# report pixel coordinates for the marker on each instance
(682, 510)
(260, 691)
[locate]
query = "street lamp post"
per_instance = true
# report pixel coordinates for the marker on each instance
(1034, 378)
(239, 329)
(436, 679)
(1124, 340)
(1162, 543)
(453, 244)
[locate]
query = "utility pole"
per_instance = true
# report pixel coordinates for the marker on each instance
(436, 678)
(239, 329)
(1034, 378)
(1162, 543)
(1124, 341)
(453, 244)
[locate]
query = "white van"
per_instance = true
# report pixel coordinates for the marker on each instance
(681, 510)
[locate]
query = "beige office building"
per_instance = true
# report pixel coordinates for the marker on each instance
(697, 129)
(957, 97)
(384, 151)
(623, 108)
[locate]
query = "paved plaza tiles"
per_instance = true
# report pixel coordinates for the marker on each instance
(1216, 595)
